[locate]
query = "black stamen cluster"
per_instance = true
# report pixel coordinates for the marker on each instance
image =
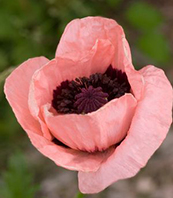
(98, 87)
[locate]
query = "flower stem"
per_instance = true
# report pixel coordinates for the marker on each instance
(79, 195)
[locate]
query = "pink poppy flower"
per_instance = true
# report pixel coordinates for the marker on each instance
(88, 109)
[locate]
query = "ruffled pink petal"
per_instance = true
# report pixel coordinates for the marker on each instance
(148, 130)
(91, 29)
(136, 82)
(52, 74)
(73, 45)
(69, 158)
(16, 89)
(46, 79)
(94, 131)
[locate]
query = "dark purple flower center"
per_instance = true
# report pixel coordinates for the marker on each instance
(84, 95)
(90, 99)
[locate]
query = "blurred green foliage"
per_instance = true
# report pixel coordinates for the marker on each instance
(30, 28)
(114, 3)
(17, 180)
(143, 16)
(156, 46)
(148, 20)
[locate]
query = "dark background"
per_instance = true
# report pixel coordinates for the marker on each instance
(30, 28)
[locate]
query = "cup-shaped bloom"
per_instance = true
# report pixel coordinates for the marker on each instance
(88, 109)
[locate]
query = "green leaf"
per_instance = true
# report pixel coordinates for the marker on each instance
(143, 16)
(156, 46)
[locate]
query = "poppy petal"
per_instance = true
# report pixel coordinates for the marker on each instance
(90, 29)
(94, 131)
(46, 79)
(69, 158)
(148, 129)
(136, 82)
(16, 89)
